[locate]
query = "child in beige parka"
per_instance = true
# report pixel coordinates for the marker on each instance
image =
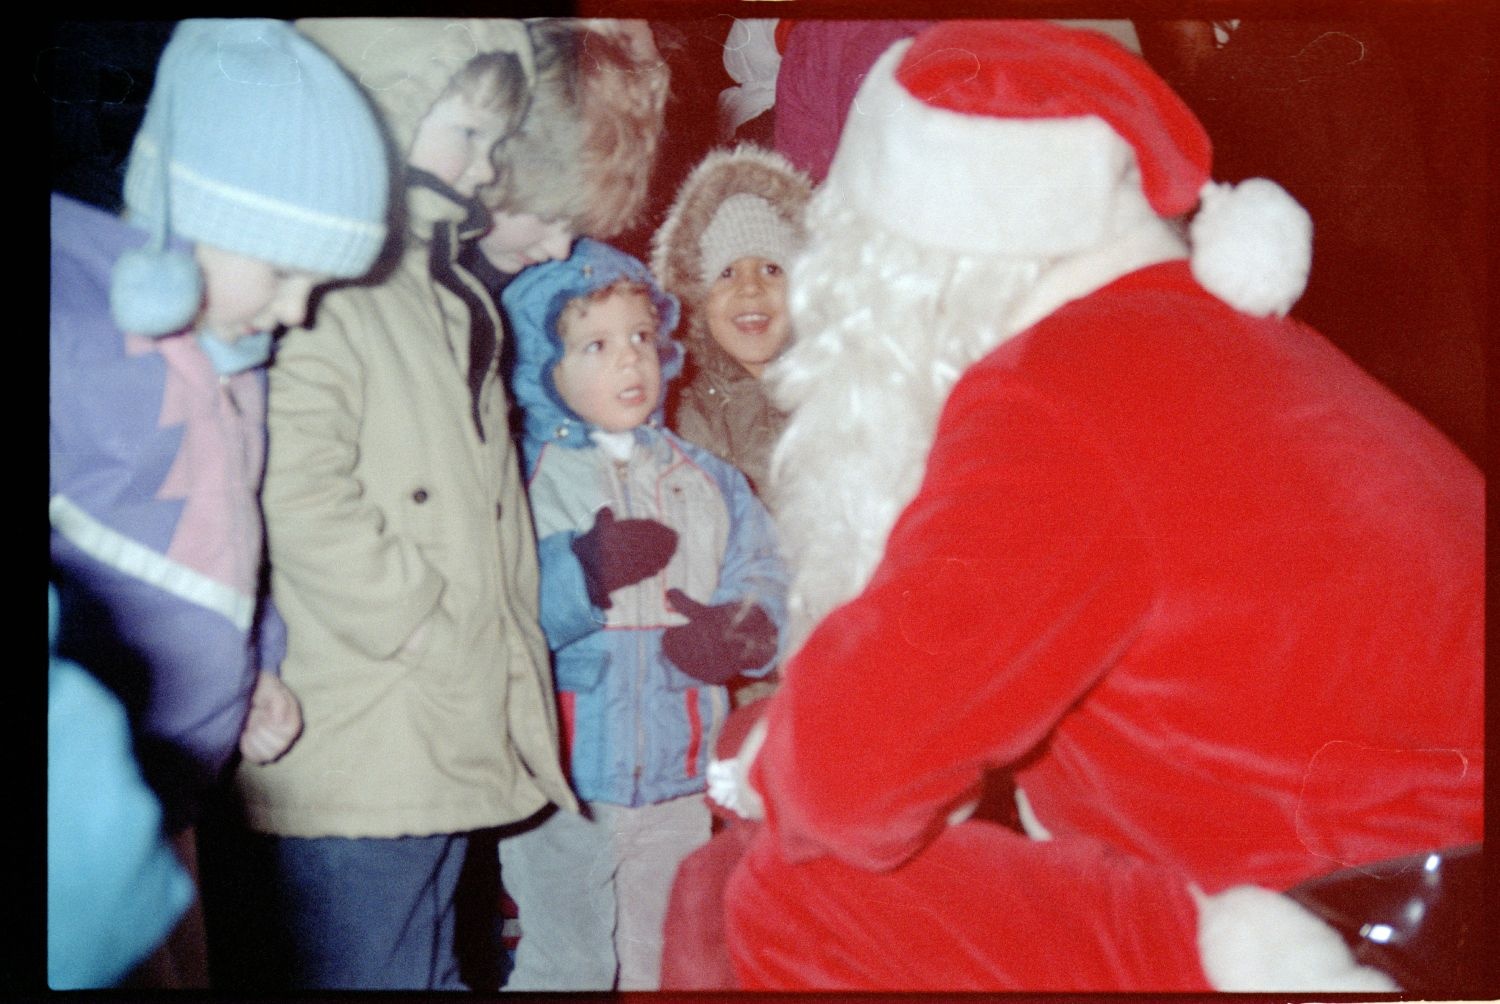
(401, 547)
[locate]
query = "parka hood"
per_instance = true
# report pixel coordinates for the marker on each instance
(405, 63)
(676, 255)
(533, 303)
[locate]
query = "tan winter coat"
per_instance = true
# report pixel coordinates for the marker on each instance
(386, 511)
(726, 410)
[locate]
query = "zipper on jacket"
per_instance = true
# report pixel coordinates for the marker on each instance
(621, 470)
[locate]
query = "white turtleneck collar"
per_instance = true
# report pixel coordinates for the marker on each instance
(617, 444)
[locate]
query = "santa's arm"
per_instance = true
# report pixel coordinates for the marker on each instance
(1012, 581)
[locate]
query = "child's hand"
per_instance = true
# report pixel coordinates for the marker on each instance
(718, 642)
(619, 553)
(274, 723)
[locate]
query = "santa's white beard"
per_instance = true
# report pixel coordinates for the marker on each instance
(883, 329)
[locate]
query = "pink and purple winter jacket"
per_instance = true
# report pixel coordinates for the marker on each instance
(155, 468)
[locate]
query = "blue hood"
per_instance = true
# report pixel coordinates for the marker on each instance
(533, 302)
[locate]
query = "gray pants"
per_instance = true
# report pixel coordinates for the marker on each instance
(592, 893)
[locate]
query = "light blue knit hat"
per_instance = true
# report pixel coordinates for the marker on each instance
(254, 141)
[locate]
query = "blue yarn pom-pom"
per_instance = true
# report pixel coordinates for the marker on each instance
(155, 292)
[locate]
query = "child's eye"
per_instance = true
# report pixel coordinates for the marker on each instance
(728, 272)
(640, 337)
(595, 346)
(772, 268)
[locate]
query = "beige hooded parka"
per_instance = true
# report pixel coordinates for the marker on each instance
(386, 510)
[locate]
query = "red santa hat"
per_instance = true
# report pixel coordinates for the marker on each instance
(1033, 139)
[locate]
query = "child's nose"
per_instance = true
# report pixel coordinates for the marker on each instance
(293, 316)
(292, 309)
(482, 171)
(556, 246)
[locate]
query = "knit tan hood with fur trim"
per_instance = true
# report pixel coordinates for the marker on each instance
(676, 258)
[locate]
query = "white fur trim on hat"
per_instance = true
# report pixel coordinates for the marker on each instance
(1253, 940)
(1252, 246)
(744, 225)
(979, 185)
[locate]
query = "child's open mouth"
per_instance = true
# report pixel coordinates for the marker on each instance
(753, 324)
(632, 395)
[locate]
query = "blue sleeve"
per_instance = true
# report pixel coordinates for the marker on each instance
(566, 613)
(270, 637)
(196, 665)
(114, 887)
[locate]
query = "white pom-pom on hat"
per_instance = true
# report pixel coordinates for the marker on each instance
(1252, 246)
(1036, 122)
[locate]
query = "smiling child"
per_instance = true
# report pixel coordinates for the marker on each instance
(724, 250)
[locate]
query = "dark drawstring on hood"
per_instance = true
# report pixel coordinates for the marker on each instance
(443, 252)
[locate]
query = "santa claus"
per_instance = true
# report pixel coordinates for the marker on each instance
(1068, 496)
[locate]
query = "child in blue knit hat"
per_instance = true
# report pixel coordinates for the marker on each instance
(660, 583)
(160, 324)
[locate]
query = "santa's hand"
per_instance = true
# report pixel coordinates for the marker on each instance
(274, 722)
(729, 780)
(720, 641)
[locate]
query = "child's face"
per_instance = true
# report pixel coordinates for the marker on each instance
(244, 295)
(454, 142)
(609, 373)
(746, 310)
(516, 240)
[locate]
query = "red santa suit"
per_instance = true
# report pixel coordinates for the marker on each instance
(1212, 594)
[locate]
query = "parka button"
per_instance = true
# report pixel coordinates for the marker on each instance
(419, 496)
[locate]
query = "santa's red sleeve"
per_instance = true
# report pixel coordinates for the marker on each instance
(1011, 582)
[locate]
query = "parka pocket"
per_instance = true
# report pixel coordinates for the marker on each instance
(436, 643)
(580, 671)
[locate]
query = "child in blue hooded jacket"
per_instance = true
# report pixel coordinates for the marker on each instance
(660, 582)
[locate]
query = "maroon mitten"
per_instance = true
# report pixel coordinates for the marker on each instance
(719, 641)
(619, 553)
